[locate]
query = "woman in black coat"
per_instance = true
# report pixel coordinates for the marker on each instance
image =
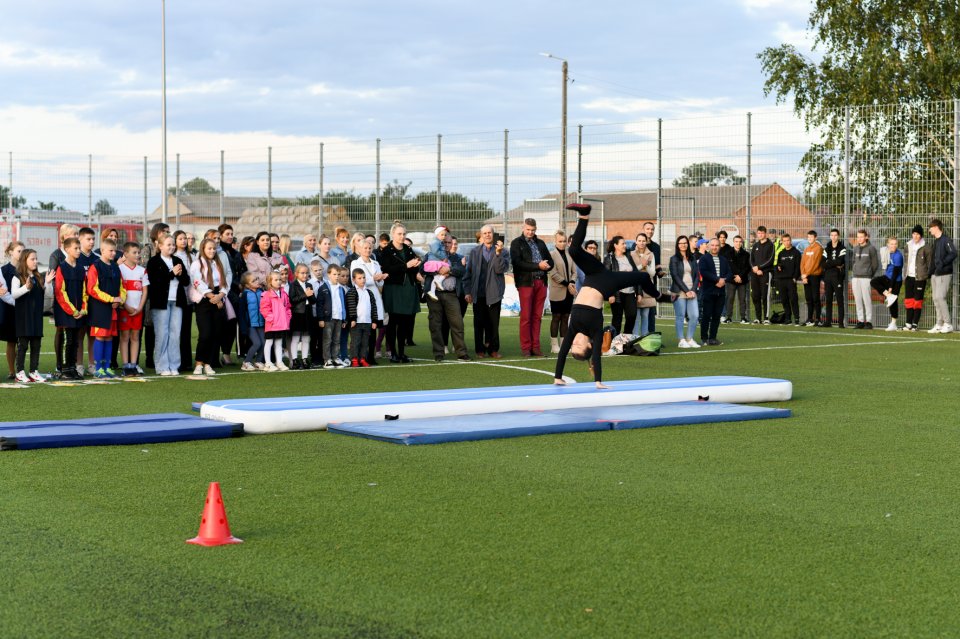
(401, 301)
(168, 276)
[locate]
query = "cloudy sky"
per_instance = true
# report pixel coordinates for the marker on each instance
(83, 77)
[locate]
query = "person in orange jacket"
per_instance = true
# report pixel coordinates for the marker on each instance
(811, 274)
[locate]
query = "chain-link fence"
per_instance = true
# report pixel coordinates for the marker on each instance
(881, 168)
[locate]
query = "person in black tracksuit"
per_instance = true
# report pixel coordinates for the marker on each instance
(761, 264)
(739, 260)
(834, 278)
(785, 277)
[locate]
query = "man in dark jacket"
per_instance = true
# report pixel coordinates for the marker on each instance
(739, 260)
(834, 278)
(652, 246)
(531, 262)
(714, 274)
(944, 255)
(483, 286)
(785, 277)
(761, 264)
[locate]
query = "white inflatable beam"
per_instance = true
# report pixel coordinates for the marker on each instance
(293, 414)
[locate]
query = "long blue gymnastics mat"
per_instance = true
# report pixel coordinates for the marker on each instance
(136, 429)
(289, 414)
(521, 423)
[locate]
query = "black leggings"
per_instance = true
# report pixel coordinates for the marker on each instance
(399, 332)
(558, 324)
(882, 283)
(624, 312)
(34, 344)
(601, 279)
(210, 321)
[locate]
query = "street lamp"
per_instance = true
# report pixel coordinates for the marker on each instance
(163, 108)
(563, 137)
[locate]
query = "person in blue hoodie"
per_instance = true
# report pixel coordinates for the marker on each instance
(888, 284)
(252, 320)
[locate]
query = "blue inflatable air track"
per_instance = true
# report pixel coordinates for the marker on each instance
(521, 423)
(136, 429)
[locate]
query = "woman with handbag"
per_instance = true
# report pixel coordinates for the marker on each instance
(208, 292)
(646, 262)
(400, 297)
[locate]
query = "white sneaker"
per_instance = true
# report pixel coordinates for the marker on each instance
(946, 328)
(692, 343)
(892, 326)
(270, 368)
(91, 370)
(23, 378)
(139, 370)
(164, 373)
(766, 322)
(446, 350)
(198, 370)
(936, 328)
(37, 377)
(341, 364)
(208, 370)
(247, 366)
(282, 367)
(723, 319)
(683, 344)
(554, 348)
(329, 364)
(890, 299)
(259, 366)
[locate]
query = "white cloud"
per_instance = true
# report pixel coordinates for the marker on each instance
(787, 34)
(322, 89)
(222, 85)
(801, 7)
(15, 55)
(645, 105)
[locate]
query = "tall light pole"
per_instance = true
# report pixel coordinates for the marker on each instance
(563, 136)
(163, 108)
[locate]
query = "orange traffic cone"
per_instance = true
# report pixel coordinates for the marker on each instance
(214, 529)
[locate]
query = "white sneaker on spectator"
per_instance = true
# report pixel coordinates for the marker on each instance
(766, 322)
(892, 326)
(259, 366)
(743, 321)
(341, 364)
(692, 343)
(23, 378)
(683, 344)
(282, 367)
(936, 328)
(723, 319)
(329, 364)
(198, 370)
(270, 368)
(35, 376)
(946, 328)
(247, 366)
(91, 370)
(139, 370)
(208, 370)
(890, 299)
(80, 370)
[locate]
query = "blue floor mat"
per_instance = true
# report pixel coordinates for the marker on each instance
(136, 429)
(521, 423)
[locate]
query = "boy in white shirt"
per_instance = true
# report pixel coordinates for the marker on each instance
(362, 317)
(130, 319)
(332, 318)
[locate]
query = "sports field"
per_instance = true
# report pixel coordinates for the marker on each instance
(841, 521)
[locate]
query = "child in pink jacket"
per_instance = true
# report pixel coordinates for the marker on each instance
(276, 311)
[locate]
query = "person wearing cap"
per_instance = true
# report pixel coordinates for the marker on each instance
(531, 262)
(916, 270)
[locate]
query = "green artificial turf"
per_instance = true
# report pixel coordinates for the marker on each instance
(840, 521)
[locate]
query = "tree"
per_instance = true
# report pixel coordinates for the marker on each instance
(103, 207)
(49, 206)
(900, 60)
(196, 186)
(709, 174)
(10, 203)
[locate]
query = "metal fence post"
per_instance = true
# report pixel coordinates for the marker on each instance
(146, 231)
(748, 221)
(10, 183)
(90, 193)
(579, 161)
(176, 197)
(506, 177)
(659, 181)
(270, 189)
(320, 197)
(221, 187)
(846, 171)
(956, 207)
(376, 199)
(439, 163)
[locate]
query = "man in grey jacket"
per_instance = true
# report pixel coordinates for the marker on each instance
(483, 287)
(866, 261)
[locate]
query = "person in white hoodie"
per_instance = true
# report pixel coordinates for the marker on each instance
(916, 274)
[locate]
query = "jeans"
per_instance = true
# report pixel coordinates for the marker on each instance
(644, 318)
(166, 330)
(359, 340)
(255, 352)
(331, 339)
(689, 308)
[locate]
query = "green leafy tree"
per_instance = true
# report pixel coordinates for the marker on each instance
(196, 186)
(49, 206)
(6, 201)
(103, 207)
(709, 174)
(900, 60)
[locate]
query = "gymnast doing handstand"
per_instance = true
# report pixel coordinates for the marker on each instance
(585, 333)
